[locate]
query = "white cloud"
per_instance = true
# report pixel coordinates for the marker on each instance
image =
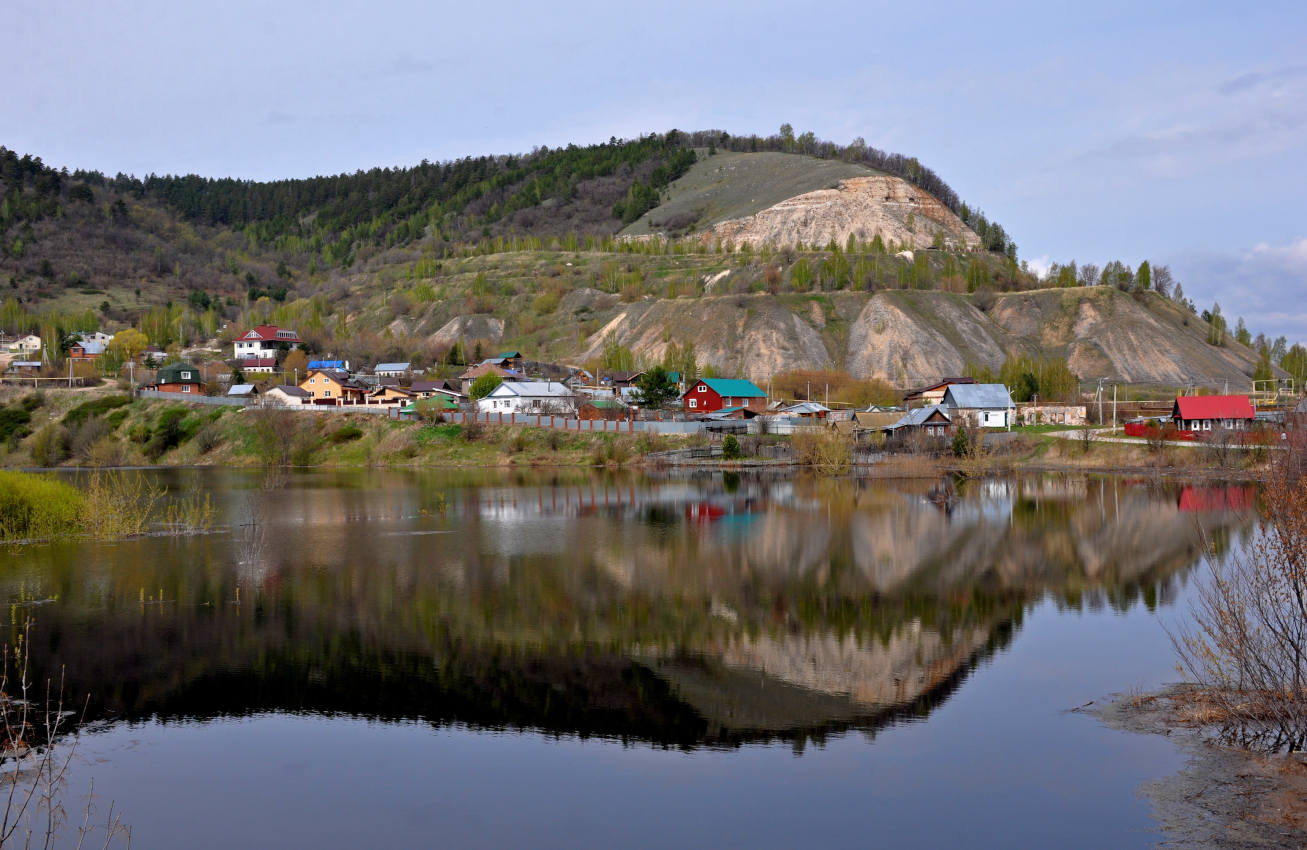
(1266, 284)
(1039, 265)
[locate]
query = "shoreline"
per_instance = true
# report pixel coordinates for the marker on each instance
(1224, 798)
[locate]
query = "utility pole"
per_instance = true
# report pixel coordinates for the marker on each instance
(131, 374)
(70, 373)
(1114, 407)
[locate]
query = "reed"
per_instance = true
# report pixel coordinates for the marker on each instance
(38, 506)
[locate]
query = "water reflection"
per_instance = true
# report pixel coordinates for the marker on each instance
(684, 612)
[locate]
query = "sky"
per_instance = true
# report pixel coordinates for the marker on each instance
(1168, 131)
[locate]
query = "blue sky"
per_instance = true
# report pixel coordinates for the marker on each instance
(1175, 132)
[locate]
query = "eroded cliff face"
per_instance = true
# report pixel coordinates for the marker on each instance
(863, 206)
(912, 337)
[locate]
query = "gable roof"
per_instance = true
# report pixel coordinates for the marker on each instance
(1302, 407)
(290, 390)
(805, 407)
(510, 355)
(485, 369)
(1213, 407)
(533, 389)
(269, 333)
(920, 416)
(732, 387)
(942, 383)
(978, 397)
(89, 346)
(326, 364)
(171, 374)
(242, 389)
(391, 367)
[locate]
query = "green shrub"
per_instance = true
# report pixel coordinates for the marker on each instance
(95, 407)
(50, 445)
(731, 448)
(345, 434)
(13, 421)
(168, 433)
(37, 506)
(113, 420)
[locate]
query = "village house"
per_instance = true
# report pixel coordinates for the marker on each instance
(151, 354)
(390, 395)
(934, 420)
(511, 360)
(265, 341)
(24, 369)
(982, 405)
(392, 370)
(1207, 412)
(96, 336)
(485, 369)
(933, 393)
(248, 392)
(86, 349)
(29, 344)
(529, 397)
(1051, 414)
(707, 395)
(806, 410)
(603, 408)
(331, 387)
(447, 388)
(620, 380)
(179, 378)
(258, 365)
(287, 396)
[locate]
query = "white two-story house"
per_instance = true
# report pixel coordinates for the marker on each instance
(263, 341)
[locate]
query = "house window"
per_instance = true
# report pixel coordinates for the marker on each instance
(326, 394)
(703, 389)
(186, 376)
(186, 388)
(1207, 425)
(694, 402)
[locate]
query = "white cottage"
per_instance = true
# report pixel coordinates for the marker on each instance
(983, 405)
(529, 397)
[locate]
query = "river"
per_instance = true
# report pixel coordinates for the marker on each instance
(481, 659)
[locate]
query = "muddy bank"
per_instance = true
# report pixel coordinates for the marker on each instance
(1225, 797)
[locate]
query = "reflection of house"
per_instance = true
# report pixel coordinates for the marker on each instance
(710, 394)
(933, 393)
(328, 386)
(1203, 413)
(983, 405)
(287, 396)
(529, 397)
(179, 378)
(1219, 499)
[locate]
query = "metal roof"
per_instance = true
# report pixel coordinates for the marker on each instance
(392, 367)
(551, 389)
(978, 397)
(805, 407)
(241, 389)
(734, 387)
(919, 416)
(1213, 407)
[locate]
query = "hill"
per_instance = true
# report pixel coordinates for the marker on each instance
(407, 264)
(789, 199)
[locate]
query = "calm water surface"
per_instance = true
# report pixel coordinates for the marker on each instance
(477, 660)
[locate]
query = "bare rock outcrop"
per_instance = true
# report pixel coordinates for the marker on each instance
(468, 328)
(863, 206)
(896, 340)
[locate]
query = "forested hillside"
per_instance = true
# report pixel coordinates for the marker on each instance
(421, 263)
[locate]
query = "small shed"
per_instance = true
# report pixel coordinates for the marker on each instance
(287, 396)
(603, 408)
(247, 391)
(392, 370)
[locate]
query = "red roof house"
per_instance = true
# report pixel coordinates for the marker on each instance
(1205, 412)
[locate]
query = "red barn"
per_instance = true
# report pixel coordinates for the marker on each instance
(1205, 412)
(709, 394)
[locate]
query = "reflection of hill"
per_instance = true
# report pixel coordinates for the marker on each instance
(589, 610)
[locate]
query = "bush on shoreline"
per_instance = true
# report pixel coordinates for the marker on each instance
(37, 506)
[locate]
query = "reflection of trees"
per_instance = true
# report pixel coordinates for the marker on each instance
(808, 606)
